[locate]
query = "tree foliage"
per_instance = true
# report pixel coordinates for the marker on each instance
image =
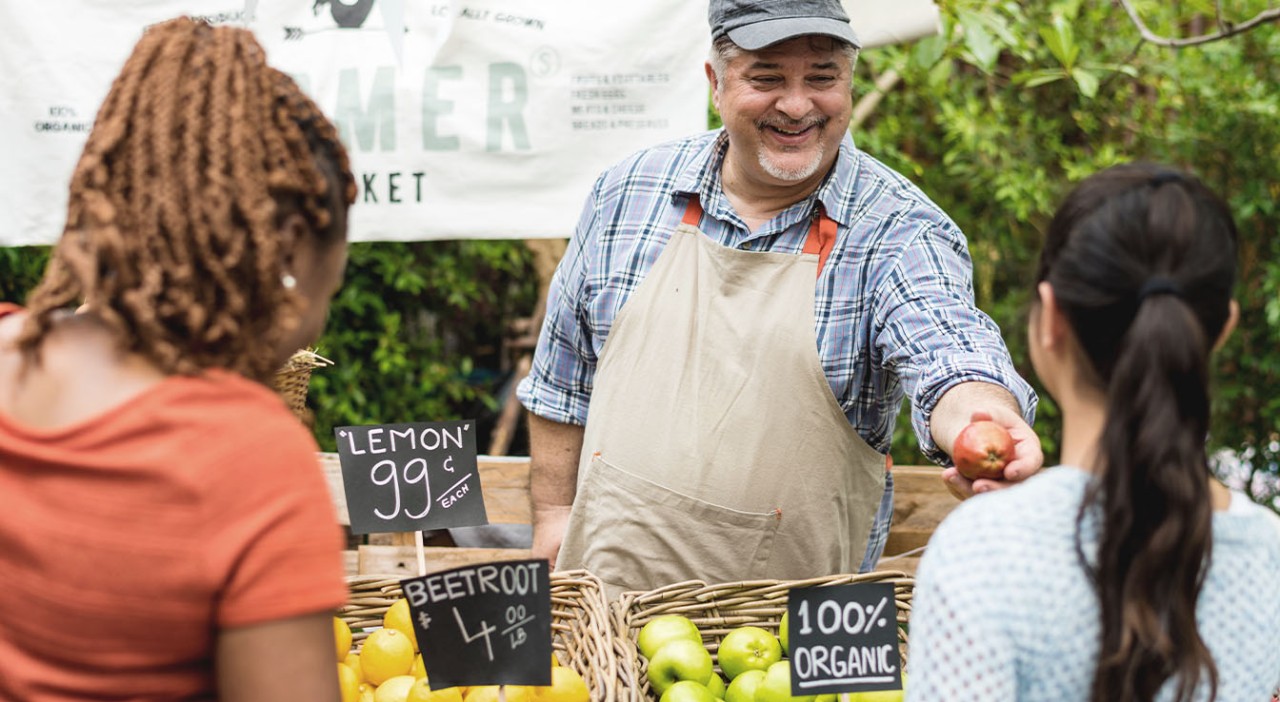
(417, 332)
(995, 119)
(1015, 102)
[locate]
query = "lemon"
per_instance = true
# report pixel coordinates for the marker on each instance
(366, 695)
(386, 654)
(348, 683)
(342, 637)
(352, 661)
(422, 692)
(555, 662)
(489, 693)
(395, 689)
(398, 618)
(419, 669)
(566, 686)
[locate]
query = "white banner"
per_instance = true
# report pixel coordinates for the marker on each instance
(464, 118)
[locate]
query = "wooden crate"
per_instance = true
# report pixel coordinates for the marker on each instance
(921, 501)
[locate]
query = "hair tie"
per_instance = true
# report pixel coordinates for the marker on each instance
(1165, 177)
(1158, 286)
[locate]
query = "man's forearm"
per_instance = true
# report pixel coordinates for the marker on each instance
(554, 451)
(957, 405)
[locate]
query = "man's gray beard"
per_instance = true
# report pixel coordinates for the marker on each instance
(793, 175)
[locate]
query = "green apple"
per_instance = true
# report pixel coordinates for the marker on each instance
(882, 695)
(679, 660)
(782, 634)
(748, 648)
(743, 688)
(687, 691)
(776, 686)
(668, 627)
(716, 686)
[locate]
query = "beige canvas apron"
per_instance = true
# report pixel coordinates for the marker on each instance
(714, 448)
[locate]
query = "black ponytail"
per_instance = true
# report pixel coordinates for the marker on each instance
(1142, 261)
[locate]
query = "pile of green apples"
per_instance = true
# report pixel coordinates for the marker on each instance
(753, 660)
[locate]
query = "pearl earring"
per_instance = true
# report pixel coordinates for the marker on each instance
(288, 281)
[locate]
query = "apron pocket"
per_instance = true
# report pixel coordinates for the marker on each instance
(636, 534)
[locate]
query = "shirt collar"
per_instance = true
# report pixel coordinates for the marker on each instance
(702, 178)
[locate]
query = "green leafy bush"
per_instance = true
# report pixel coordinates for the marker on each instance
(416, 333)
(20, 270)
(1015, 102)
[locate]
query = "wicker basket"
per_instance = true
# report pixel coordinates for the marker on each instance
(581, 630)
(293, 379)
(719, 609)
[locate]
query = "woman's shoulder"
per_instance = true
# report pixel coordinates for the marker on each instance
(1037, 516)
(225, 402)
(1247, 522)
(244, 431)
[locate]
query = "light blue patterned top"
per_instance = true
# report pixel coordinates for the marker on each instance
(1003, 612)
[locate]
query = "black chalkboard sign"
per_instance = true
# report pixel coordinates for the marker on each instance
(488, 624)
(843, 638)
(410, 477)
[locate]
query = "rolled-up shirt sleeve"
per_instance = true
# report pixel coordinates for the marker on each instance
(559, 383)
(932, 335)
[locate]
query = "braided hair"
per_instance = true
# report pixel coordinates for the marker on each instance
(199, 153)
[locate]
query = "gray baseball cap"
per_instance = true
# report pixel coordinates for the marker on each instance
(755, 24)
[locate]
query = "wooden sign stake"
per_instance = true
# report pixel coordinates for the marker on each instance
(422, 554)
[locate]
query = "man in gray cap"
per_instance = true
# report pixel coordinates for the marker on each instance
(730, 335)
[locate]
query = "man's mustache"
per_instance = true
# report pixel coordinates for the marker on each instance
(792, 125)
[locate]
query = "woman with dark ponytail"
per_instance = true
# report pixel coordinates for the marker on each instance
(1127, 574)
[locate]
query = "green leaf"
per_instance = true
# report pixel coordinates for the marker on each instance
(1034, 79)
(1060, 42)
(928, 52)
(981, 45)
(940, 74)
(1086, 81)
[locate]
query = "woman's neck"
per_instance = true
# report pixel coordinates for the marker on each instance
(1082, 426)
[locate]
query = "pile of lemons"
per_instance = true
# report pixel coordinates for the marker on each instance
(389, 668)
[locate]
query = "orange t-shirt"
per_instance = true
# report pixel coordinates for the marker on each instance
(128, 540)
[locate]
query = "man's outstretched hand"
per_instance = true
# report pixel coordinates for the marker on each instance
(1028, 457)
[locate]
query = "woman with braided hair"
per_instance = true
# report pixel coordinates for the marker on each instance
(1126, 574)
(165, 528)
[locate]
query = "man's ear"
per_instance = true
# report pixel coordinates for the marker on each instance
(1233, 318)
(714, 80)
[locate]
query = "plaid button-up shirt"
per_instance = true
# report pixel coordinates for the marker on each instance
(893, 308)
